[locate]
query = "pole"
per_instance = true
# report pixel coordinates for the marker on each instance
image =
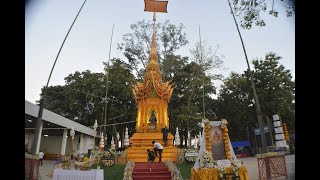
(256, 99)
(204, 106)
(107, 76)
(41, 105)
(73, 151)
(270, 131)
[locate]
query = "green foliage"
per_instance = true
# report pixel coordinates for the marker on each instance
(187, 98)
(65, 161)
(275, 90)
(208, 58)
(172, 38)
(274, 85)
(114, 172)
(82, 98)
(185, 169)
(250, 11)
(136, 44)
(236, 105)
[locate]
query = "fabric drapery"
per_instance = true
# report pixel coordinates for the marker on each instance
(93, 174)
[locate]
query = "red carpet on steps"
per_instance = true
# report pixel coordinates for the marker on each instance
(154, 171)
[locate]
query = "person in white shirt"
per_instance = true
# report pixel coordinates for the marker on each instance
(157, 147)
(41, 154)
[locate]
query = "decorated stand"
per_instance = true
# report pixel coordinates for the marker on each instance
(216, 159)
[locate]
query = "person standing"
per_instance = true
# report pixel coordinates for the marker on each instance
(41, 155)
(165, 132)
(157, 147)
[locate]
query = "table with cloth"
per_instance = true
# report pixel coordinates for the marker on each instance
(213, 174)
(64, 174)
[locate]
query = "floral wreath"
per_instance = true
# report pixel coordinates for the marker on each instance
(191, 158)
(221, 171)
(235, 169)
(207, 157)
(109, 162)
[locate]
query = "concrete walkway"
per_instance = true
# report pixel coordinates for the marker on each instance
(250, 162)
(45, 169)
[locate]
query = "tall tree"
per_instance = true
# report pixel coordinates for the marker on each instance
(123, 108)
(187, 98)
(74, 100)
(82, 98)
(210, 59)
(235, 103)
(274, 87)
(136, 44)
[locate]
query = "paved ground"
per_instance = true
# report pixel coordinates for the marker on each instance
(250, 163)
(45, 169)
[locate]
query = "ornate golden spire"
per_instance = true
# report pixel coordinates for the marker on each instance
(153, 74)
(154, 6)
(153, 56)
(153, 81)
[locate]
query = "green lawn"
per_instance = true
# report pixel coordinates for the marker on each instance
(185, 169)
(114, 172)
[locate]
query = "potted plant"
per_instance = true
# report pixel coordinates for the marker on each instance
(65, 163)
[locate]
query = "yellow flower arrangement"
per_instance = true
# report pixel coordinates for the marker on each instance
(65, 163)
(207, 136)
(226, 143)
(108, 162)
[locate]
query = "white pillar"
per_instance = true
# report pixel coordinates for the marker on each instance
(64, 142)
(39, 138)
(81, 144)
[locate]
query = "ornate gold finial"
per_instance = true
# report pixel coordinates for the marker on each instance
(153, 56)
(154, 6)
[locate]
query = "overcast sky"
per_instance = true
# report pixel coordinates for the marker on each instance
(47, 23)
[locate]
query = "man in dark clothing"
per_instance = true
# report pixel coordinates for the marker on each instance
(165, 132)
(151, 156)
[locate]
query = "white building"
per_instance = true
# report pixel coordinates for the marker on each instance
(55, 133)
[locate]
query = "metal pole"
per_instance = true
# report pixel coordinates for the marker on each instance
(107, 74)
(39, 119)
(256, 100)
(270, 131)
(204, 106)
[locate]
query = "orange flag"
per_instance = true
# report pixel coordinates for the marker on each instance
(155, 6)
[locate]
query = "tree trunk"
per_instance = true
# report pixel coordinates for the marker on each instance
(181, 138)
(185, 137)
